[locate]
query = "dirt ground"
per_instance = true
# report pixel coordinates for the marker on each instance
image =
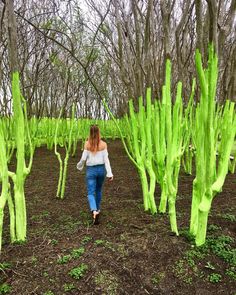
(129, 252)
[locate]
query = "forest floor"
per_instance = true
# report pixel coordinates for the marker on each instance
(129, 252)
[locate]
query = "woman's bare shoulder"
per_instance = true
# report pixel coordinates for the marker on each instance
(103, 145)
(86, 145)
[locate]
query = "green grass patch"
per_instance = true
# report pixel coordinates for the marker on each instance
(182, 271)
(221, 247)
(69, 287)
(157, 278)
(54, 242)
(188, 266)
(64, 259)
(86, 239)
(100, 242)
(34, 260)
(67, 223)
(105, 244)
(122, 250)
(110, 225)
(214, 278)
(49, 292)
(5, 288)
(184, 232)
(85, 217)
(228, 216)
(45, 274)
(74, 254)
(231, 272)
(213, 228)
(78, 272)
(5, 265)
(107, 282)
(77, 253)
(41, 216)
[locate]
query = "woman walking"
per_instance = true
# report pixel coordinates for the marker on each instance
(97, 168)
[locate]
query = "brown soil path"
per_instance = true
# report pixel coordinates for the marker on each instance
(130, 252)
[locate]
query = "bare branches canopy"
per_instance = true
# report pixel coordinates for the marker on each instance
(71, 51)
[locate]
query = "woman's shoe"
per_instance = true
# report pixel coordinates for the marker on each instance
(96, 220)
(95, 217)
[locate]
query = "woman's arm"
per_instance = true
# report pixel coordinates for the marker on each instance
(83, 159)
(107, 163)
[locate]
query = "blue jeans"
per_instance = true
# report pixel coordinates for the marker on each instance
(95, 176)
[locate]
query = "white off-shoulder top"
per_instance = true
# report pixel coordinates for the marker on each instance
(92, 159)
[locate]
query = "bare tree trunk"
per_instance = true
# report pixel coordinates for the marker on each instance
(138, 65)
(228, 77)
(226, 27)
(12, 34)
(177, 37)
(165, 12)
(199, 24)
(120, 39)
(148, 43)
(231, 93)
(213, 36)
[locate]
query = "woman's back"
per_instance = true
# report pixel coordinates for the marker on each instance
(98, 157)
(101, 146)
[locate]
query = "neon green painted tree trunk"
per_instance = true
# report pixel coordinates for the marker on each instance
(139, 149)
(58, 157)
(19, 177)
(174, 146)
(168, 140)
(209, 177)
(75, 139)
(159, 141)
(141, 133)
(68, 144)
(188, 145)
(68, 150)
(4, 181)
(134, 153)
(149, 154)
(7, 125)
(18, 208)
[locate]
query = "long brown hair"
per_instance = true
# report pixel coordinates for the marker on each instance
(94, 138)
